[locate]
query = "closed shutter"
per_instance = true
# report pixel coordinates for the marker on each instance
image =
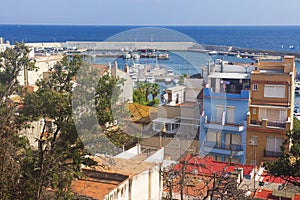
(271, 144)
(279, 142)
(272, 115)
(230, 114)
(227, 139)
(274, 91)
(262, 113)
(219, 113)
(283, 115)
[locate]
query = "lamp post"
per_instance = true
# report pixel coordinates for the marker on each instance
(253, 143)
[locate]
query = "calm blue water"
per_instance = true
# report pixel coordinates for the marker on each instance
(279, 38)
(256, 37)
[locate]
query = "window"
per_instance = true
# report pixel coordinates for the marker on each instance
(255, 87)
(233, 160)
(283, 115)
(230, 114)
(274, 144)
(217, 158)
(253, 141)
(262, 113)
(254, 111)
(234, 139)
(273, 114)
(274, 91)
(214, 138)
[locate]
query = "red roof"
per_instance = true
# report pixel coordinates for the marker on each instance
(297, 197)
(267, 194)
(271, 179)
(206, 166)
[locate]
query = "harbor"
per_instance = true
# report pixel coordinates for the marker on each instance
(117, 49)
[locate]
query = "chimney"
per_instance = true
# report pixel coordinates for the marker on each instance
(114, 69)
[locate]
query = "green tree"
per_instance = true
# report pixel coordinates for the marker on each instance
(288, 166)
(142, 92)
(108, 106)
(154, 90)
(12, 147)
(59, 152)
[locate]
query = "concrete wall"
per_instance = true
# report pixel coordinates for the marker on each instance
(118, 45)
(147, 185)
(140, 186)
(193, 88)
(119, 193)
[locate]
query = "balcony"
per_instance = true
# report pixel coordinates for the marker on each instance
(227, 127)
(264, 123)
(212, 147)
(272, 154)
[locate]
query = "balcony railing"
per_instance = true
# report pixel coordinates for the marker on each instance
(255, 122)
(234, 147)
(277, 124)
(272, 153)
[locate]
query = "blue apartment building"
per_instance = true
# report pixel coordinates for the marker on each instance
(223, 125)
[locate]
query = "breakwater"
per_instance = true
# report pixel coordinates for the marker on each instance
(166, 46)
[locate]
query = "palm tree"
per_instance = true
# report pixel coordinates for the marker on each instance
(154, 90)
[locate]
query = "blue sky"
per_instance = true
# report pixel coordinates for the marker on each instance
(151, 12)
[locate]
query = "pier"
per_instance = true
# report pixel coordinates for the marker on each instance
(168, 46)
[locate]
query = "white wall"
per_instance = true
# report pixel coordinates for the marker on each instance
(147, 185)
(119, 193)
(43, 64)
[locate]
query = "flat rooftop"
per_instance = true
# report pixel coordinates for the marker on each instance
(120, 165)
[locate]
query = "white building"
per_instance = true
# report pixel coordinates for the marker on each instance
(120, 179)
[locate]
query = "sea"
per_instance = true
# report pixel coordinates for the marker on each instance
(278, 38)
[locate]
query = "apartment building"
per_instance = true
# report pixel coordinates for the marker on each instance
(271, 109)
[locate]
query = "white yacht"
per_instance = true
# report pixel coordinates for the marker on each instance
(168, 80)
(126, 55)
(136, 56)
(175, 80)
(150, 78)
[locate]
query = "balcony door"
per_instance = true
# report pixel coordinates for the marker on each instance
(233, 140)
(214, 139)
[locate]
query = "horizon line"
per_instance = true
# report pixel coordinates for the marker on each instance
(149, 25)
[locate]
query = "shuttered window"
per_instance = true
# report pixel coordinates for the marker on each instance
(274, 143)
(214, 137)
(232, 139)
(230, 114)
(274, 91)
(219, 113)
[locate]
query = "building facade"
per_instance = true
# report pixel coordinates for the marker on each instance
(271, 109)
(223, 125)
